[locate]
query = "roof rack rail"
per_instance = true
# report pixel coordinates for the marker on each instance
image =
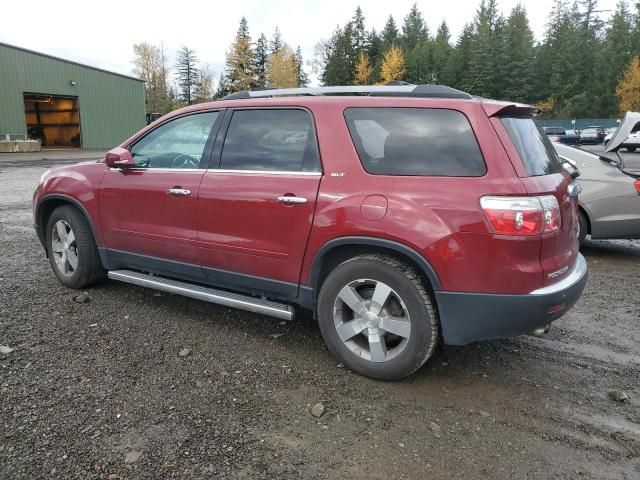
(395, 90)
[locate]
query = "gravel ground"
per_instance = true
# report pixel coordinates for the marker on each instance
(100, 390)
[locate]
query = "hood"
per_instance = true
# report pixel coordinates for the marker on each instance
(630, 124)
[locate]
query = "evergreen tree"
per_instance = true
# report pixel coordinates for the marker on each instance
(276, 42)
(222, 89)
(419, 64)
(240, 60)
(260, 61)
(359, 31)
(414, 30)
(482, 74)
(517, 57)
(187, 73)
(282, 68)
(613, 58)
(459, 60)
(374, 51)
(340, 65)
(441, 53)
(389, 34)
(303, 78)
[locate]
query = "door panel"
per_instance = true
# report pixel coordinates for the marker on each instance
(151, 209)
(255, 212)
(139, 215)
(245, 229)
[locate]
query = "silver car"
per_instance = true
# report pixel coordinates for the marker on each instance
(610, 198)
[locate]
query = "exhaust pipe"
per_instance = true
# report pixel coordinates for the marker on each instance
(539, 332)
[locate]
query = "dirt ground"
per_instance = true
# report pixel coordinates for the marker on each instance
(98, 389)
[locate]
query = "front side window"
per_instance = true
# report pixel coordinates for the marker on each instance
(271, 140)
(415, 142)
(179, 143)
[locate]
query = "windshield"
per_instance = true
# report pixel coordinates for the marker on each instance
(533, 146)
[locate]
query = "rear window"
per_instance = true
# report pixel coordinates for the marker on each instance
(535, 150)
(554, 131)
(415, 142)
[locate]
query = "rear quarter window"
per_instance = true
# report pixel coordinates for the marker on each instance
(415, 142)
(533, 146)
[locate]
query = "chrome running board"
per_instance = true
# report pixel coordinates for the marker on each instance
(228, 299)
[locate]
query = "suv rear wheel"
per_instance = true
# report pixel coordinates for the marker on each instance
(376, 316)
(72, 250)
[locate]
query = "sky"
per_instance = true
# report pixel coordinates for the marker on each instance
(102, 34)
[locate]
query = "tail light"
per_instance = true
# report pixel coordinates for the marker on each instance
(522, 215)
(637, 184)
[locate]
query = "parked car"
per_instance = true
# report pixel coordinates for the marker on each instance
(610, 197)
(559, 134)
(410, 216)
(592, 135)
(631, 143)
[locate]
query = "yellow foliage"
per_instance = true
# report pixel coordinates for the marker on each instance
(628, 89)
(364, 70)
(282, 69)
(547, 105)
(392, 65)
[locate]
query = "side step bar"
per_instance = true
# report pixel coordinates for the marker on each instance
(228, 299)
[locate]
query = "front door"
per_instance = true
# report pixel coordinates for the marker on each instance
(150, 210)
(256, 210)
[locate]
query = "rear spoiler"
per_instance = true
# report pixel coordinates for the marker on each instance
(501, 109)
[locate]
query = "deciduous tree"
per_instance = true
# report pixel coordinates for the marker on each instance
(393, 67)
(628, 89)
(239, 72)
(364, 70)
(282, 68)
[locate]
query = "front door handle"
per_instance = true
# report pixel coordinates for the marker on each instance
(179, 191)
(290, 199)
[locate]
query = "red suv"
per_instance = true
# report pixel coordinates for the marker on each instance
(401, 218)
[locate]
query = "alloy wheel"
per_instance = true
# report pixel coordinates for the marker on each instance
(372, 320)
(64, 248)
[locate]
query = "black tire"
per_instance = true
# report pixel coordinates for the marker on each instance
(407, 284)
(584, 227)
(88, 270)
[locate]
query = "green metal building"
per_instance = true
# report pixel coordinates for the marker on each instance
(64, 103)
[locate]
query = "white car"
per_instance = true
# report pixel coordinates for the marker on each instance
(630, 143)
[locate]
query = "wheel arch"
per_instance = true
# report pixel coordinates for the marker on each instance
(335, 251)
(47, 204)
(584, 211)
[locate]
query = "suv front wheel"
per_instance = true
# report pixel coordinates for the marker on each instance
(377, 317)
(72, 250)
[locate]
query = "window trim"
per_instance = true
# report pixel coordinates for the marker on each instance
(208, 146)
(364, 169)
(216, 157)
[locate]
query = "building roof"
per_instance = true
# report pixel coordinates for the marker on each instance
(33, 52)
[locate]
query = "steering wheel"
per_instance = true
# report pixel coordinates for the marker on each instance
(185, 161)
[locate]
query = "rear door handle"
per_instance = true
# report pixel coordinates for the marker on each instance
(291, 200)
(179, 191)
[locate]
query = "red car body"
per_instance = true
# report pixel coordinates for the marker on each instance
(233, 233)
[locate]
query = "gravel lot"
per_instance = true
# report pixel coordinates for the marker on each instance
(99, 390)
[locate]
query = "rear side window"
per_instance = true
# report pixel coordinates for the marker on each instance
(415, 142)
(271, 140)
(534, 147)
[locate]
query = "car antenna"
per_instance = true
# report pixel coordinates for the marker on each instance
(477, 80)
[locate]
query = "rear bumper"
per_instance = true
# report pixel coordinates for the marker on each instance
(471, 317)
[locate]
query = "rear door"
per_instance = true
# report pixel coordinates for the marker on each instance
(255, 209)
(540, 170)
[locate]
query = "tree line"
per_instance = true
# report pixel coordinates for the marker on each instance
(269, 62)
(576, 70)
(583, 66)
